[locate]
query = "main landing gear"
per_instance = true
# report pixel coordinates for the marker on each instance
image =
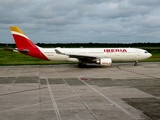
(136, 63)
(82, 64)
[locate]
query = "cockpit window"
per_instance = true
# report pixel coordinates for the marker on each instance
(146, 52)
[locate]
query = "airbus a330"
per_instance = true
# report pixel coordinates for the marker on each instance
(101, 56)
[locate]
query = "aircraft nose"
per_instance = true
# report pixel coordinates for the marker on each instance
(149, 54)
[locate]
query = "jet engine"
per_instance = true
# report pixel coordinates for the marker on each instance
(104, 61)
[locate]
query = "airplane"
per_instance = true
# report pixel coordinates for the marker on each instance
(100, 56)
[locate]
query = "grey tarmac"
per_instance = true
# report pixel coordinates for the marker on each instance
(66, 92)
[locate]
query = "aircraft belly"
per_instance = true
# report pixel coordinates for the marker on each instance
(122, 57)
(57, 57)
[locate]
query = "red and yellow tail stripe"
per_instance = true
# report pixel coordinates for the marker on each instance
(24, 44)
(15, 30)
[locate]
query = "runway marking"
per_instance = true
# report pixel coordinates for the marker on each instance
(138, 73)
(11, 85)
(22, 107)
(77, 116)
(53, 99)
(16, 108)
(78, 96)
(17, 76)
(16, 92)
(107, 98)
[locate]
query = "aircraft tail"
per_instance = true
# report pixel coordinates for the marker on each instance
(25, 45)
(21, 40)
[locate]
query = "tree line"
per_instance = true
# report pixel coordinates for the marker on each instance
(90, 45)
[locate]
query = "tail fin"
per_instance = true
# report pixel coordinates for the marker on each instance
(25, 45)
(21, 40)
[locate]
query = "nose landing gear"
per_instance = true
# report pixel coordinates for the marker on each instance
(136, 63)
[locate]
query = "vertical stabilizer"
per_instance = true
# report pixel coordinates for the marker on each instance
(25, 45)
(21, 40)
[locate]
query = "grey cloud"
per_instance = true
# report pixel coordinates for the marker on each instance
(83, 20)
(145, 2)
(116, 10)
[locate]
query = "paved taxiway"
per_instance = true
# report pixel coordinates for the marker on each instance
(66, 92)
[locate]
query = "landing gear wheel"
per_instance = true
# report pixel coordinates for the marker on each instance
(136, 63)
(81, 65)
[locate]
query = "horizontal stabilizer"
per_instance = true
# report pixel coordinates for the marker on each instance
(24, 51)
(9, 49)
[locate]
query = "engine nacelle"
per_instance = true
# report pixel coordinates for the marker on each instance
(104, 61)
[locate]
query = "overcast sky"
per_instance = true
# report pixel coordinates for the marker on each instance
(76, 21)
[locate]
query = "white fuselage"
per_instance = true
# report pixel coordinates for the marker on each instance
(116, 54)
(101, 56)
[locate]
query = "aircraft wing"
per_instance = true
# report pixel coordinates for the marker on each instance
(80, 57)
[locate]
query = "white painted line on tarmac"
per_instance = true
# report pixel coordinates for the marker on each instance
(77, 116)
(146, 75)
(23, 107)
(17, 76)
(107, 98)
(53, 99)
(78, 96)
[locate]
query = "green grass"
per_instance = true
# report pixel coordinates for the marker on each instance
(155, 51)
(13, 58)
